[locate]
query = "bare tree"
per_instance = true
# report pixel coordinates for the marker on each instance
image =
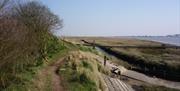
(40, 21)
(3, 3)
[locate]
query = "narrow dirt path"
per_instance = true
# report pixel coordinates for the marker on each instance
(51, 73)
(56, 80)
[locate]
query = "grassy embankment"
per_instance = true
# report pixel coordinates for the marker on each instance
(82, 72)
(34, 79)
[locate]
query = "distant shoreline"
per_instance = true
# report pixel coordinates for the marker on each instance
(169, 39)
(162, 39)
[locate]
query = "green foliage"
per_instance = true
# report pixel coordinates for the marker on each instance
(87, 65)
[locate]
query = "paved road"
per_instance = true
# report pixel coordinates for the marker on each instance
(151, 80)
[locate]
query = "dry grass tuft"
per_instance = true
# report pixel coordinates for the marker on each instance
(85, 70)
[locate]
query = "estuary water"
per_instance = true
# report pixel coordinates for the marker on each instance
(162, 39)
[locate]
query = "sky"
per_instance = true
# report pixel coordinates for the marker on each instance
(117, 17)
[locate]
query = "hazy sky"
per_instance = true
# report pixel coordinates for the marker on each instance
(117, 17)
